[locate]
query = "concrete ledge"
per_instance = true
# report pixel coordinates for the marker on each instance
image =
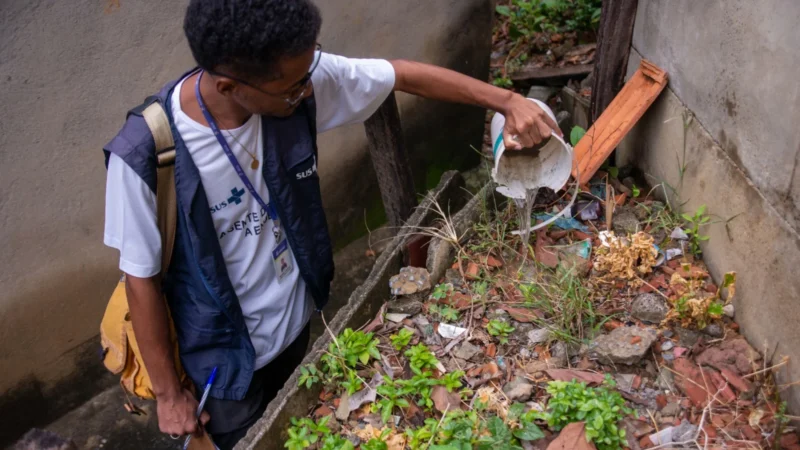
(749, 236)
(270, 431)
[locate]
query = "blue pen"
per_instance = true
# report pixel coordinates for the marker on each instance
(203, 399)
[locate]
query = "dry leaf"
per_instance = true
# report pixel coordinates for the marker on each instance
(445, 401)
(572, 437)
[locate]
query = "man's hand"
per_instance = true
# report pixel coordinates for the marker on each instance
(176, 414)
(526, 124)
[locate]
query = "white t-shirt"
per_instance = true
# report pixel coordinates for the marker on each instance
(275, 310)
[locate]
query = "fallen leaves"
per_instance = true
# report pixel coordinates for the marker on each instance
(445, 401)
(572, 437)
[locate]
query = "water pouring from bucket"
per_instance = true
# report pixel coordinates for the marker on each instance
(521, 173)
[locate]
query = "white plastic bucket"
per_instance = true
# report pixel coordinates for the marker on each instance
(516, 171)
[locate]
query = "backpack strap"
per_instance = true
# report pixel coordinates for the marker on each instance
(166, 203)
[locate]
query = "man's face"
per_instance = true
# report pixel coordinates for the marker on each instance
(279, 97)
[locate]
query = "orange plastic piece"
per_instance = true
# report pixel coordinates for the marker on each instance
(618, 119)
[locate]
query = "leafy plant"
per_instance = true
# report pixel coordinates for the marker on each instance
(419, 358)
(527, 17)
(576, 134)
(601, 408)
(693, 224)
(391, 395)
(375, 443)
(499, 436)
(309, 375)
(305, 432)
(452, 381)
(714, 310)
(349, 349)
(420, 385)
(402, 338)
(336, 442)
(503, 82)
(635, 190)
(353, 383)
(441, 291)
(528, 291)
(420, 437)
(480, 288)
(444, 312)
(499, 329)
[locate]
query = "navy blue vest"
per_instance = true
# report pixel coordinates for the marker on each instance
(208, 319)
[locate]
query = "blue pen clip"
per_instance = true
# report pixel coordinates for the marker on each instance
(206, 391)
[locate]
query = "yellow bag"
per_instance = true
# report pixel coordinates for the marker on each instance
(121, 352)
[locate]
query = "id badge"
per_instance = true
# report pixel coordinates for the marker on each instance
(282, 259)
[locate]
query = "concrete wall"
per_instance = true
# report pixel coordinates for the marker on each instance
(70, 70)
(732, 68)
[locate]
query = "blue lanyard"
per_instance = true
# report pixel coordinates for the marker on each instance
(269, 207)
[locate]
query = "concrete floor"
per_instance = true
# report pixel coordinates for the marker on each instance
(103, 423)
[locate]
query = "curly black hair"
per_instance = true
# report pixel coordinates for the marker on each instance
(250, 36)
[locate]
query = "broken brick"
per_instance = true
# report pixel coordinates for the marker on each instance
(738, 383)
(472, 271)
(322, 411)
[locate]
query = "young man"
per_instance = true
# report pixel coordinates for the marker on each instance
(252, 257)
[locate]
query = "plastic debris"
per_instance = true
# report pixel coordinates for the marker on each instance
(565, 223)
(448, 331)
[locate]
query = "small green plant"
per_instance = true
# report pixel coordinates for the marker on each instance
(452, 381)
(635, 190)
(421, 386)
(353, 383)
(392, 395)
(419, 438)
(309, 375)
(714, 310)
(349, 349)
(480, 288)
(304, 433)
(528, 292)
(444, 312)
(503, 82)
(500, 330)
(441, 291)
(336, 442)
(420, 358)
(402, 338)
(693, 224)
(377, 443)
(601, 408)
(575, 135)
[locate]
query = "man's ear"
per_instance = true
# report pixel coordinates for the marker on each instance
(225, 85)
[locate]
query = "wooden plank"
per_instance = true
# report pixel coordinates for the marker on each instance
(618, 119)
(390, 160)
(614, 36)
(542, 74)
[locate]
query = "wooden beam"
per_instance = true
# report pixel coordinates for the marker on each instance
(390, 160)
(613, 48)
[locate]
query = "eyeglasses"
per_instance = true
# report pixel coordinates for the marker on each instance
(297, 92)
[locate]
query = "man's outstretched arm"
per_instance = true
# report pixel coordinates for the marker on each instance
(524, 118)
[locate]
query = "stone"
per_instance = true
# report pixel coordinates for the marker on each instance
(679, 234)
(666, 380)
(625, 381)
(518, 390)
(672, 409)
(538, 336)
(728, 310)
(525, 353)
(453, 276)
(624, 345)
(650, 308)
(686, 337)
(713, 330)
(625, 222)
(466, 351)
(521, 330)
(667, 346)
(735, 355)
(410, 280)
(423, 326)
(408, 306)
